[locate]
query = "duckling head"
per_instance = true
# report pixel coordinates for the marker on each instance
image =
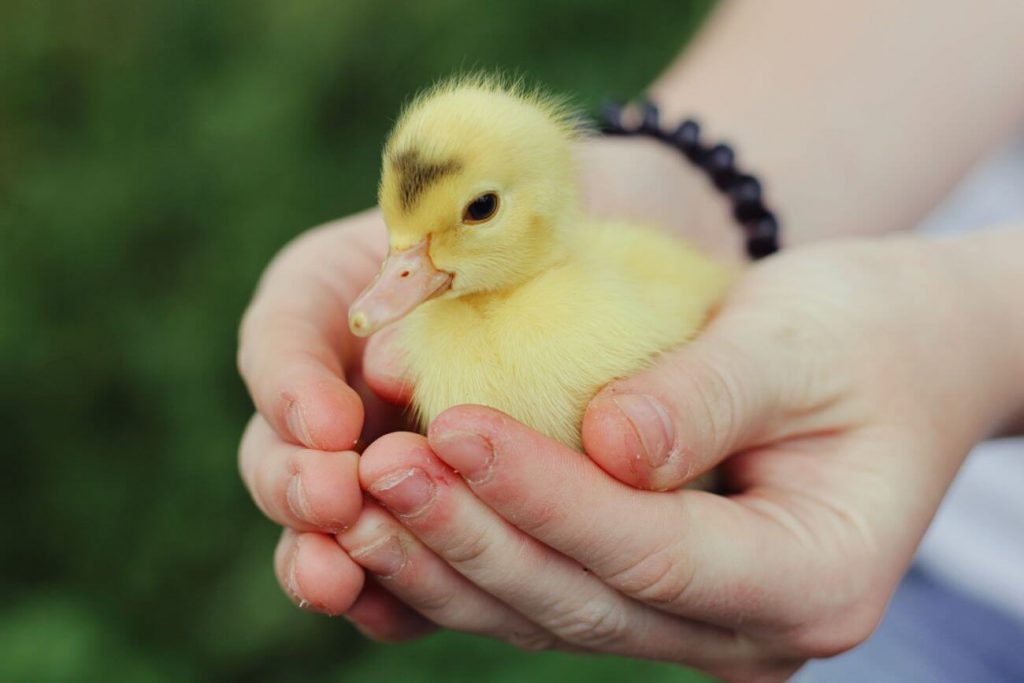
(476, 189)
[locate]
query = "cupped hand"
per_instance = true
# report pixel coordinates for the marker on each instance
(309, 377)
(305, 373)
(838, 390)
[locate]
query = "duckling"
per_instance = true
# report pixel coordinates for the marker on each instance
(511, 296)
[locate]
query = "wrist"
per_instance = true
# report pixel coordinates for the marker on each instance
(986, 269)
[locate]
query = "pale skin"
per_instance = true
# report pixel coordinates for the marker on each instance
(844, 383)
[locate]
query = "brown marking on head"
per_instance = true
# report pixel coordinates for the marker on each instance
(416, 175)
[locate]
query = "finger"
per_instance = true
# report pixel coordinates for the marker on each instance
(689, 552)
(385, 367)
(316, 574)
(382, 617)
(320, 579)
(294, 341)
(731, 388)
(422, 580)
(380, 416)
(546, 587)
(298, 487)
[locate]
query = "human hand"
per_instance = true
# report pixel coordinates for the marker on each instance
(846, 407)
(306, 375)
(309, 377)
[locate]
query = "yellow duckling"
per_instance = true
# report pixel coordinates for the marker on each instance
(512, 297)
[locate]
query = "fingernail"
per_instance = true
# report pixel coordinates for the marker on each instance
(297, 501)
(385, 558)
(406, 493)
(651, 423)
(297, 424)
(469, 453)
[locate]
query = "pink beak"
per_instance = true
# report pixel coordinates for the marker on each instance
(406, 279)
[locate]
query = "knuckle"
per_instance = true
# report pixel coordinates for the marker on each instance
(468, 549)
(435, 602)
(716, 398)
(594, 624)
(539, 518)
(660, 578)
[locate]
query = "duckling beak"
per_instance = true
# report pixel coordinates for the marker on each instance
(406, 279)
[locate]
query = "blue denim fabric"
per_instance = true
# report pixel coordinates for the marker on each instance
(931, 634)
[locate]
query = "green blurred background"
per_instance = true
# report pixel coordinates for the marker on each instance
(153, 157)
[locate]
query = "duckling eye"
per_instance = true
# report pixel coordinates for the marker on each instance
(480, 209)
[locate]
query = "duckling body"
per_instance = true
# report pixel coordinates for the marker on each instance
(511, 297)
(541, 351)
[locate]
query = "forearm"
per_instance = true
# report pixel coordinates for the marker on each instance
(859, 116)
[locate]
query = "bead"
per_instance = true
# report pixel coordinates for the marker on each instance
(611, 119)
(725, 179)
(747, 212)
(719, 162)
(763, 237)
(696, 154)
(719, 158)
(765, 225)
(745, 190)
(759, 247)
(686, 136)
(649, 120)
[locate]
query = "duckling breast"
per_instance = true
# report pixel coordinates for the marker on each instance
(541, 352)
(463, 355)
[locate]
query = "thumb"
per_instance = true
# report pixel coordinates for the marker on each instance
(680, 418)
(385, 368)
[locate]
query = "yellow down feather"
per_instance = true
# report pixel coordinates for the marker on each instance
(547, 305)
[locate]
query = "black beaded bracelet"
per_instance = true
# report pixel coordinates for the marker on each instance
(719, 162)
